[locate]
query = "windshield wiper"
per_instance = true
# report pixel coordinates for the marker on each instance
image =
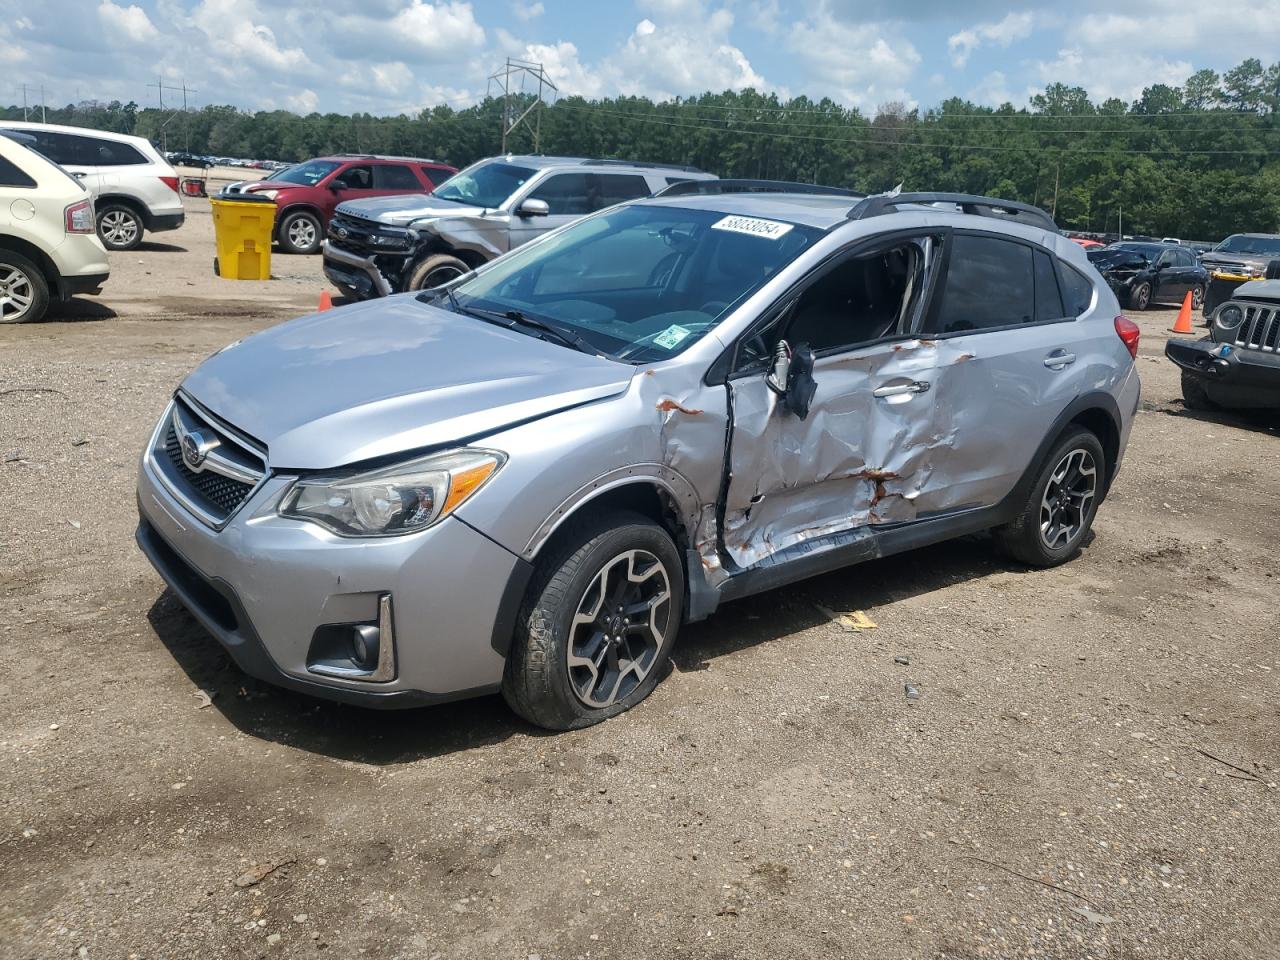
(436, 196)
(561, 335)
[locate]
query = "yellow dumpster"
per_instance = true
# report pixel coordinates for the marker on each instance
(242, 225)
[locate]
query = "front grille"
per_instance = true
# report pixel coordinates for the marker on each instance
(216, 487)
(357, 235)
(1260, 329)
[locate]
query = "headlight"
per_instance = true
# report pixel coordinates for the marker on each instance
(397, 500)
(1230, 317)
(269, 194)
(392, 238)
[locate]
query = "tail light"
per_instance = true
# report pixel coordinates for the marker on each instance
(1128, 331)
(170, 182)
(79, 217)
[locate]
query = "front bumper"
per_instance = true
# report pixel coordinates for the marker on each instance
(262, 585)
(1232, 375)
(353, 272)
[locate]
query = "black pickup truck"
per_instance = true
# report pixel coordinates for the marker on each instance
(1238, 364)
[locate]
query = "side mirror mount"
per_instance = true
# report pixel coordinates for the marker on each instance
(791, 377)
(339, 184)
(533, 208)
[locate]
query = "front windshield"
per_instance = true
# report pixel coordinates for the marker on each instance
(484, 185)
(307, 174)
(1261, 246)
(637, 283)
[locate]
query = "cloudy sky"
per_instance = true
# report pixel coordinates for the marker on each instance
(388, 56)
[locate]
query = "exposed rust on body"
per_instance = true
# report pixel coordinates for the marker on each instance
(668, 405)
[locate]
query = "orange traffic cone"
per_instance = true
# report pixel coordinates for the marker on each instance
(1184, 316)
(326, 303)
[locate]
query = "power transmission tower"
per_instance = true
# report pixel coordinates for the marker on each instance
(512, 99)
(161, 87)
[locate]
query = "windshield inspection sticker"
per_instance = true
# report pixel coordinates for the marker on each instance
(670, 338)
(768, 229)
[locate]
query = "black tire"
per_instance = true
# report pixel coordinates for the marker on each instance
(24, 291)
(1194, 395)
(300, 232)
(1023, 538)
(538, 684)
(1140, 296)
(1272, 271)
(119, 226)
(435, 270)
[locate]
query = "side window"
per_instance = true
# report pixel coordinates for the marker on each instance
(107, 153)
(1077, 291)
(1186, 259)
(433, 176)
(618, 187)
(58, 147)
(11, 176)
(1048, 299)
(566, 194)
(357, 178)
(390, 176)
(855, 301)
(989, 283)
(1165, 259)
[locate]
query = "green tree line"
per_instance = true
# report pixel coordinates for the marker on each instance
(1198, 161)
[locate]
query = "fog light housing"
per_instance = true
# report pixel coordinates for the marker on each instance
(356, 651)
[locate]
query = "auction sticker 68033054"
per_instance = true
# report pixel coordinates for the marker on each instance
(768, 229)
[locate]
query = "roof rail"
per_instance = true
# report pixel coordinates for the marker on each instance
(968, 203)
(641, 163)
(713, 187)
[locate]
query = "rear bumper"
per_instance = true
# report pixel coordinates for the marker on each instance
(159, 222)
(1236, 377)
(88, 283)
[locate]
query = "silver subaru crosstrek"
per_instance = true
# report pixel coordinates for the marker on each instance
(528, 479)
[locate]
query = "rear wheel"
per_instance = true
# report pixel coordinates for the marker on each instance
(597, 625)
(1197, 296)
(1194, 395)
(24, 292)
(1140, 296)
(119, 227)
(1061, 505)
(300, 232)
(435, 271)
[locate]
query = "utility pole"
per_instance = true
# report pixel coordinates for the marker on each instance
(1057, 171)
(43, 119)
(524, 70)
(25, 112)
(161, 87)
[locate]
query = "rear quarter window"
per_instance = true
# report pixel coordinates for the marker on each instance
(12, 176)
(1077, 291)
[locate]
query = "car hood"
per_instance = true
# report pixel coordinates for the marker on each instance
(1221, 261)
(403, 210)
(390, 376)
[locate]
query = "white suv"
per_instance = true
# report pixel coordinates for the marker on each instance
(133, 187)
(47, 241)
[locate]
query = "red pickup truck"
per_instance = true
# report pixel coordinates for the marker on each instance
(307, 193)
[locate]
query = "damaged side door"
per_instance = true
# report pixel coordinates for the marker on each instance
(873, 438)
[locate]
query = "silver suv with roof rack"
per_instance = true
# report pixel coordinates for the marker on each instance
(388, 245)
(528, 479)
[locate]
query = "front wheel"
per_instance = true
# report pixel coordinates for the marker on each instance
(119, 227)
(1194, 395)
(1061, 505)
(300, 232)
(597, 625)
(1197, 297)
(435, 271)
(1140, 296)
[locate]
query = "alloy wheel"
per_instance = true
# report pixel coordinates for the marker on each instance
(302, 233)
(1067, 499)
(16, 293)
(619, 628)
(119, 228)
(1197, 297)
(1142, 297)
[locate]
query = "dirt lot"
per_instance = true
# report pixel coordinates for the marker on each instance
(1049, 794)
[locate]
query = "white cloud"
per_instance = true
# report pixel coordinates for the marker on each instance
(853, 61)
(992, 90)
(1105, 76)
(235, 38)
(304, 101)
(438, 27)
(567, 72)
(1003, 33)
(527, 11)
(126, 24)
(688, 56)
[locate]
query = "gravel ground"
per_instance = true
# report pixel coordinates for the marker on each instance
(1089, 771)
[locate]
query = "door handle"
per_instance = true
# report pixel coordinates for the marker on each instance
(902, 389)
(1059, 359)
